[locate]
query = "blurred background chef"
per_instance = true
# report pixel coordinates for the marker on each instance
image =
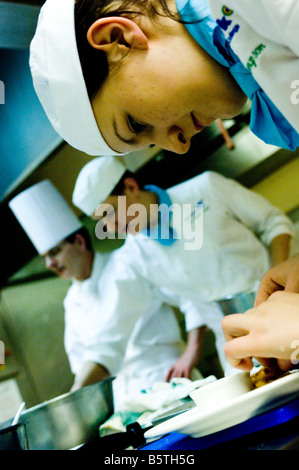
(152, 344)
(243, 235)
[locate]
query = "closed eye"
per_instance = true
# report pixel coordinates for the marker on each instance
(136, 127)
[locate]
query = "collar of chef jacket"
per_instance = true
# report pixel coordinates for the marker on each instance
(90, 285)
(266, 121)
(163, 232)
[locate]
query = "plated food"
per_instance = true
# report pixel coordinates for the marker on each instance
(267, 375)
(230, 401)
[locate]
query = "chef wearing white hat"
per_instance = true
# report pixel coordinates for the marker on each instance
(44, 215)
(56, 70)
(109, 328)
(242, 232)
(94, 184)
(96, 181)
(166, 87)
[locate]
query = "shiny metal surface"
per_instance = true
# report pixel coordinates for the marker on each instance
(238, 303)
(69, 420)
(14, 437)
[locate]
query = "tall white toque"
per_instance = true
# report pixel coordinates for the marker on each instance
(58, 79)
(95, 182)
(44, 215)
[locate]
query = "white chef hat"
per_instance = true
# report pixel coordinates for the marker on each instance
(58, 79)
(44, 215)
(95, 182)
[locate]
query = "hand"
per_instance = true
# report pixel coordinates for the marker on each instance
(182, 368)
(190, 357)
(284, 276)
(270, 330)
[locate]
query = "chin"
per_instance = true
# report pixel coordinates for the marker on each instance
(235, 106)
(64, 275)
(240, 105)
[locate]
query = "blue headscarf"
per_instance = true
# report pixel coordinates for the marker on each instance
(266, 121)
(163, 232)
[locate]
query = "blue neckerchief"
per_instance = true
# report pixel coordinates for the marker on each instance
(266, 121)
(163, 232)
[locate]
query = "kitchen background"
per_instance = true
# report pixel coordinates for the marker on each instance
(31, 311)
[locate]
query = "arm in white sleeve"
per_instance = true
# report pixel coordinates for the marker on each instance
(73, 344)
(125, 297)
(194, 314)
(252, 209)
(89, 373)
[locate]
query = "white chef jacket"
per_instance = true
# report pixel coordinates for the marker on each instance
(273, 24)
(238, 227)
(149, 332)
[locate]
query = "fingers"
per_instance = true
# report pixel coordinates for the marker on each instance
(267, 288)
(292, 284)
(257, 332)
(169, 375)
(174, 372)
(284, 365)
(238, 353)
(237, 349)
(235, 325)
(178, 372)
(261, 296)
(281, 277)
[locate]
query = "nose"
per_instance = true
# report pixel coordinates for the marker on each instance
(50, 262)
(175, 140)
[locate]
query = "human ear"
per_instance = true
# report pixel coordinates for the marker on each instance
(80, 241)
(131, 185)
(116, 35)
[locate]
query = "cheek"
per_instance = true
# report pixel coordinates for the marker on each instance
(64, 260)
(157, 96)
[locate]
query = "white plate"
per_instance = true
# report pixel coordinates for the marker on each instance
(199, 422)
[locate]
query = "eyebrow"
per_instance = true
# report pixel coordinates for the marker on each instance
(131, 141)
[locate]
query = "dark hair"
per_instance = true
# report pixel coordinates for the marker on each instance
(119, 187)
(84, 233)
(94, 62)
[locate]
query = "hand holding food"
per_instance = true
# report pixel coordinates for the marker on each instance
(268, 331)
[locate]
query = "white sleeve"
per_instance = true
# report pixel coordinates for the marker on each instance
(73, 345)
(125, 297)
(194, 314)
(251, 209)
(73, 348)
